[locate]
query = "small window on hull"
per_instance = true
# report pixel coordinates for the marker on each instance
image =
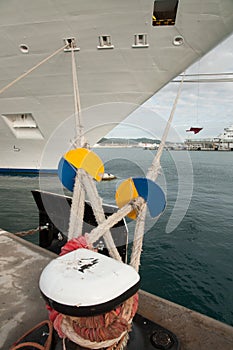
(164, 13)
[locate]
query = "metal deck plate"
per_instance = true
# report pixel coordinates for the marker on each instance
(145, 335)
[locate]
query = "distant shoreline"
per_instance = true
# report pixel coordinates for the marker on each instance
(167, 148)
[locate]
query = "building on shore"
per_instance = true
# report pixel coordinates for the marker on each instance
(201, 144)
(224, 142)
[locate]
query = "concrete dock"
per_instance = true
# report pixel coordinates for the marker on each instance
(22, 306)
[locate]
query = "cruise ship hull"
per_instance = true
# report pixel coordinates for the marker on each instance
(123, 57)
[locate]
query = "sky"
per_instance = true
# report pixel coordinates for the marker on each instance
(206, 105)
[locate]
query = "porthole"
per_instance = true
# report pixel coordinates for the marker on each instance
(178, 40)
(24, 48)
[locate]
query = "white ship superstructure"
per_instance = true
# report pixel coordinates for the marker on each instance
(125, 52)
(225, 140)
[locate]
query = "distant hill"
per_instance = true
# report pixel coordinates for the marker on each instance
(123, 141)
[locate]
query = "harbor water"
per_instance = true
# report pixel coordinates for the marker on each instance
(188, 252)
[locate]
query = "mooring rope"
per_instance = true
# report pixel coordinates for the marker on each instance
(84, 185)
(80, 140)
(113, 219)
(152, 174)
(97, 207)
(80, 330)
(31, 69)
(84, 182)
(78, 201)
(138, 203)
(77, 208)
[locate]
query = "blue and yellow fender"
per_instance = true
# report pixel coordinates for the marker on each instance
(76, 159)
(141, 187)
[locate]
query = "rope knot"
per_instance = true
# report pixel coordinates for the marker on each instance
(137, 204)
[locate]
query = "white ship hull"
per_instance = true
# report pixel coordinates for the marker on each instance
(36, 123)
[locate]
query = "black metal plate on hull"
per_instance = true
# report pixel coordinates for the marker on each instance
(54, 214)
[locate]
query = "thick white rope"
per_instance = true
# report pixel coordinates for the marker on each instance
(31, 70)
(77, 208)
(113, 219)
(78, 201)
(104, 225)
(138, 238)
(85, 183)
(80, 140)
(138, 203)
(153, 171)
(96, 203)
(152, 174)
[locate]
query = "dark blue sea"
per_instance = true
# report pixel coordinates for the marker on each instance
(188, 252)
